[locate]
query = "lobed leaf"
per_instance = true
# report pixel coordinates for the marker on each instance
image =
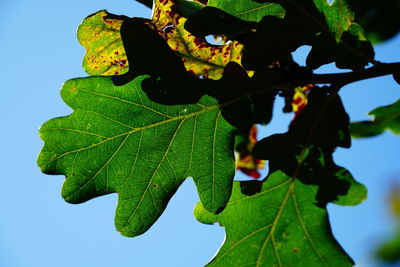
(289, 229)
(199, 57)
(385, 118)
(118, 140)
(105, 54)
(329, 28)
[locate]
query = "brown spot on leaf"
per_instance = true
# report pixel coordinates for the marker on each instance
(285, 235)
(295, 250)
(199, 42)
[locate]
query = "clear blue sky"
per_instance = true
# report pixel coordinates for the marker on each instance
(39, 51)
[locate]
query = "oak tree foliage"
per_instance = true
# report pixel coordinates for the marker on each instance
(163, 104)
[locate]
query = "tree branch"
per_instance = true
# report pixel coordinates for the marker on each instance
(341, 79)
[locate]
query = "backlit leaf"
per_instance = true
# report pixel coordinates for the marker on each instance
(99, 34)
(385, 118)
(118, 140)
(245, 161)
(249, 10)
(291, 226)
(338, 16)
(199, 57)
(300, 100)
(288, 229)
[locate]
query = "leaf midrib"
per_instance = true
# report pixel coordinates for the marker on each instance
(152, 178)
(253, 10)
(273, 225)
(204, 109)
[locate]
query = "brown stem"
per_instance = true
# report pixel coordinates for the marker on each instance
(341, 79)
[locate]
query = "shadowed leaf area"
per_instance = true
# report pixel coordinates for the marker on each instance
(291, 227)
(384, 118)
(380, 19)
(182, 106)
(142, 133)
(105, 54)
(199, 57)
(272, 36)
(305, 151)
(242, 101)
(119, 140)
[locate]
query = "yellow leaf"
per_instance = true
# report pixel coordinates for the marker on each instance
(199, 57)
(100, 35)
(245, 162)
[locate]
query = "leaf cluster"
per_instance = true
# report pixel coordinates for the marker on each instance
(163, 104)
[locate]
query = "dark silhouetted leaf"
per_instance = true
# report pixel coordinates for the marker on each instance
(328, 28)
(148, 3)
(385, 118)
(396, 77)
(291, 227)
(211, 20)
(354, 51)
(380, 19)
(323, 122)
(312, 165)
(305, 151)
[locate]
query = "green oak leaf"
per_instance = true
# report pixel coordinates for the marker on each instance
(188, 8)
(249, 10)
(357, 192)
(118, 140)
(287, 230)
(338, 16)
(385, 118)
